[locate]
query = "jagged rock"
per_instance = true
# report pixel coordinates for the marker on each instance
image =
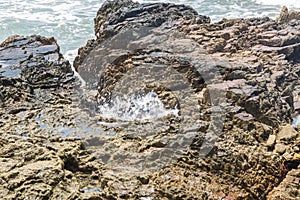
(115, 16)
(17, 49)
(236, 77)
(288, 188)
(36, 82)
(287, 133)
(254, 59)
(28, 63)
(287, 16)
(120, 15)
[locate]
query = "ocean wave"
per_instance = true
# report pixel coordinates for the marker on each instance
(289, 3)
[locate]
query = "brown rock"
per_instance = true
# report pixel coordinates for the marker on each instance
(289, 188)
(280, 148)
(271, 141)
(40, 159)
(287, 133)
(286, 15)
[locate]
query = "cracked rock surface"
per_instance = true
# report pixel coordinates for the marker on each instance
(235, 84)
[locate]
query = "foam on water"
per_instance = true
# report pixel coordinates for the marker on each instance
(135, 108)
(289, 3)
(69, 21)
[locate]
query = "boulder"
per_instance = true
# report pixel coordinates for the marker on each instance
(287, 133)
(120, 15)
(30, 62)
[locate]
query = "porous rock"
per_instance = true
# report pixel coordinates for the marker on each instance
(54, 145)
(256, 60)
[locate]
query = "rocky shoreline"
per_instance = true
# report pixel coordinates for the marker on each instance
(235, 83)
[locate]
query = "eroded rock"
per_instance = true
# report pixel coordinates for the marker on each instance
(287, 16)
(54, 144)
(287, 133)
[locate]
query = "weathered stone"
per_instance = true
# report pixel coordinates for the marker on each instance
(17, 49)
(42, 67)
(288, 188)
(120, 15)
(286, 15)
(287, 133)
(271, 141)
(280, 148)
(254, 70)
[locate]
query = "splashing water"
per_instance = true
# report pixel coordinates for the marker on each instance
(135, 108)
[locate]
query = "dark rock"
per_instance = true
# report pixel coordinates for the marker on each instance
(46, 74)
(28, 63)
(115, 16)
(17, 49)
(121, 15)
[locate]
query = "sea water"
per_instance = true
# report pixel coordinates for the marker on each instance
(71, 21)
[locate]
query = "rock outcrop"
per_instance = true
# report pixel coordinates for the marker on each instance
(235, 84)
(287, 16)
(36, 89)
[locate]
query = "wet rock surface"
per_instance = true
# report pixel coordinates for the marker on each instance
(36, 105)
(235, 84)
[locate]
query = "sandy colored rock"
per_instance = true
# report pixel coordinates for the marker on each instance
(271, 141)
(54, 144)
(287, 133)
(287, 16)
(288, 188)
(280, 148)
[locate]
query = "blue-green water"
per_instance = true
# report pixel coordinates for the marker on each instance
(71, 21)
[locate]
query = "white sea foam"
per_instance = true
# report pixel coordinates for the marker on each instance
(136, 108)
(288, 3)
